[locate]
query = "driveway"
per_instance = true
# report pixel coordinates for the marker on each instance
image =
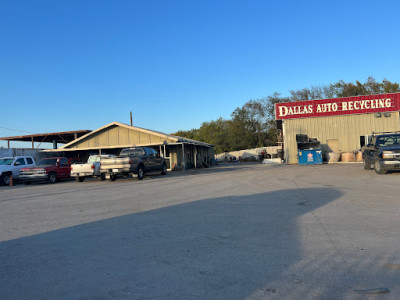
(235, 231)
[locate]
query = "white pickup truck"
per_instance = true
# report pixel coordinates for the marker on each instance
(12, 165)
(89, 169)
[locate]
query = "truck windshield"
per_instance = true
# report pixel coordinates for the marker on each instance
(49, 161)
(6, 161)
(388, 140)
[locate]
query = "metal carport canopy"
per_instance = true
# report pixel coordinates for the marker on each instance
(64, 137)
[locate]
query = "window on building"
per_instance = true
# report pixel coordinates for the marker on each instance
(362, 141)
(365, 140)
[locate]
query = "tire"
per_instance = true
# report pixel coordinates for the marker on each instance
(113, 177)
(52, 178)
(378, 168)
(140, 172)
(79, 179)
(103, 177)
(5, 179)
(27, 182)
(164, 169)
(367, 165)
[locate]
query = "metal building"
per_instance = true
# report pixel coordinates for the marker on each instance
(179, 153)
(340, 124)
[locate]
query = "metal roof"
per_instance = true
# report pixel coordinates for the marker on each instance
(60, 137)
(176, 138)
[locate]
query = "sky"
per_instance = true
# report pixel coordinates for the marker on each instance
(73, 65)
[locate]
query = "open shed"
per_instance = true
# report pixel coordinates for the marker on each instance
(179, 153)
(53, 137)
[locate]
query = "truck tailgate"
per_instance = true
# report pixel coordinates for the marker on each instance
(115, 163)
(81, 169)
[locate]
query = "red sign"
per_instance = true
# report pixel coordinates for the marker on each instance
(338, 106)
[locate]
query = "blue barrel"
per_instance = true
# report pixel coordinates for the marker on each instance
(310, 157)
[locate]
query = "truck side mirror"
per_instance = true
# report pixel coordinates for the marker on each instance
(17, 163)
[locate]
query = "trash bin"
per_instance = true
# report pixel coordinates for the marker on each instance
(279, 152)
(310, 157)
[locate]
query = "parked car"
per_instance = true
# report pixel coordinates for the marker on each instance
(383, 152)
(135, 160)
(89, 169)
(48, 169)
(13, 165)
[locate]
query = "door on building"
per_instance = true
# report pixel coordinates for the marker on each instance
(333, 145)
(167, 158)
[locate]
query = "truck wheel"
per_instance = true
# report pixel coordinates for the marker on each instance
(378, 168)
(113, 177)
(140, 172)
(103, 177)
(164, 169)
(27, 182)
(5, 179)
(80, 179)
(367, 165)
(52, 178)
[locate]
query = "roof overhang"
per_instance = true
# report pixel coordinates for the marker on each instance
(126, 146)
(177, 139)
(58, 137)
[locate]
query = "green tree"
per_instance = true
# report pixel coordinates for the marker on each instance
(389, 87)
(242, 130)
(216, 133)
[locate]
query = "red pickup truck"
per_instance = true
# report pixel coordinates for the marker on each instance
(48, 169)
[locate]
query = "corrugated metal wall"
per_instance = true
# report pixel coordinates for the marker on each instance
(347, 129)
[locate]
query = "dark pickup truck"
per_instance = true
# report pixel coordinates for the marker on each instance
(133, 161)
(48, 169)
(383, 152)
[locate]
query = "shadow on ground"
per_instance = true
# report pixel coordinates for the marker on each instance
(223, 248)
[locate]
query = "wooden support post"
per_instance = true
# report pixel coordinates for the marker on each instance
(33, 145)
(195, 157)
(183, 156)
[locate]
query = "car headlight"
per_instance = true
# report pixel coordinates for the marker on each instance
(387, 154)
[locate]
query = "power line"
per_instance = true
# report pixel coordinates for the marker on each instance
(15, 129)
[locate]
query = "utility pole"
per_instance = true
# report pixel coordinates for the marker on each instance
(131, 120)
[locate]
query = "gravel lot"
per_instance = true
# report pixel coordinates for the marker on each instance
(236, 231)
